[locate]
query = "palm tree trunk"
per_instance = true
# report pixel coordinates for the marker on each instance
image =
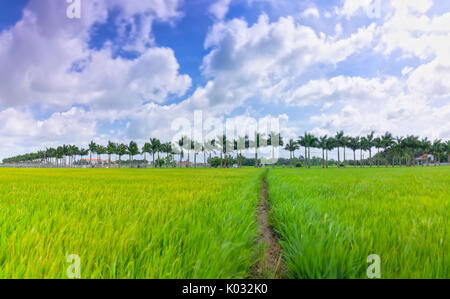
(159, 161)
(290, 158)
(344, 158)
(361, 160)
(240, 159)
(306, 156)
(323, 158)
(327, 158)
(339, 158)
(370, 157)
(309, 157)
(378, 158)
(273, 156)
(354, 159)
(256, 158)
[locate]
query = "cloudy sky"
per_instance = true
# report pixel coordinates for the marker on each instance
(126, 69)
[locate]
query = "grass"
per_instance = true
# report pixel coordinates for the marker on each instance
(331, 220)
(129, 223)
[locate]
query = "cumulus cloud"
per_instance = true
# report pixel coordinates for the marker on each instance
(46, 59)
(219, 8)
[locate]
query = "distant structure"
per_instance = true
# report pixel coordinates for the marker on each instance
(425, 159)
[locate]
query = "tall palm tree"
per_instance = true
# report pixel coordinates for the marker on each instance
(339, 139)
(257, 144)
(354, 145)
(241, 145)
(181, 145)
(154, 145)
(447, 150)
(364, 145)
(322, 144)
(387, 140)
(302, 141)
(122, 150)
(437, 148)
(377, 142)
(425, 144)
(369, 144)
(308, 140)
(111, 150)
(146, 149)
(331, 145)
(275, 140)
(399, 149)
(101, 150)
(133, 150)
(92, 149)
(345, 142)
(292, 146)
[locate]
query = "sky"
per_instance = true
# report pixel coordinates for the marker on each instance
(133, 69)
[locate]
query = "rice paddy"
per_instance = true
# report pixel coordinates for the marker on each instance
(331, 221)
(128, 223)
(202, 223)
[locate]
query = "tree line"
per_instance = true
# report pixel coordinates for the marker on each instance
(222, 152)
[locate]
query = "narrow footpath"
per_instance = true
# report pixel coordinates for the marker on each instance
(271, 266)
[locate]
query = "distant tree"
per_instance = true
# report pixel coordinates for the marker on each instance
(292, 146)
(354, 145)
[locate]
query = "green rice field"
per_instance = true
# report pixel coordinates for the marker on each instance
(128, 223)
(202, 223)
(330, 221)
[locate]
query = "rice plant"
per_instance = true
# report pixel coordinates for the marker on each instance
(128, 223)
(330, 221)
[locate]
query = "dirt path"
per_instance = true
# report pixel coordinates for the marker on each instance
(271, 266)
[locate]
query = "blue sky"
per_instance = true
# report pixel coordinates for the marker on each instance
(129, 69)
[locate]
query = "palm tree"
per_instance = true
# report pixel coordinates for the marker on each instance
(354, 145)
(111, 150)
(322, 144)
(275, 140)
(369, 145)
(122, 150)
(302, 140)
(364, 145)
(181, 144)
(133, 150)
(378, 144)
(167, 149)
(146, 149)
(331, 145)
(425, 144)
(155, 146)
(447, 150)
(399, 149)
(387, 140)
(308, 140)
(292, 146)
(101, 150)
(437, 151)
(92, 149)
(339, 139)
(345, 141)
(241, 144)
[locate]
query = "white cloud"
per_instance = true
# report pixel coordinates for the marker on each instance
(219, 8)
(311, 12)
(38, 56)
